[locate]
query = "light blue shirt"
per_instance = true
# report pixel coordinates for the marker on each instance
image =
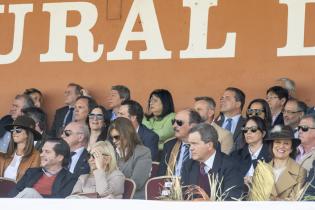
(75, 158)
(179, 163)
(234, 122)
(4, 142)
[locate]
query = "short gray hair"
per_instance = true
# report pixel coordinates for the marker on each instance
(309, 116)
(28, 102)
(207, 132)
(210, 102)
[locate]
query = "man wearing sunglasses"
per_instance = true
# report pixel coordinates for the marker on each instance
(205, 106)
(293, 111)
(133, 111)
(306, 150)
(76, 134)
(176, 151)
(20, 102)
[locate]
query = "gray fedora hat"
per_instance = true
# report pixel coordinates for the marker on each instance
(283, 132)
(26, 123)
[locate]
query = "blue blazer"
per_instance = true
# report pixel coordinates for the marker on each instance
(224, 167)
(82, 166)
(62, 186)
(150, 140)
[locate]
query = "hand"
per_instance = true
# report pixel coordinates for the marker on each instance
(101, 161)
(85, 92)
(248, 180)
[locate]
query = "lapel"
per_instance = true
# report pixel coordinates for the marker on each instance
(82, 165)
(220, 120)
(286, 180)
(217, 163)
(193, 171)
(59, 182)
(239, 125)
(141, 133)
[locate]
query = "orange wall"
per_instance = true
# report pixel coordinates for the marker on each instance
(260, 26)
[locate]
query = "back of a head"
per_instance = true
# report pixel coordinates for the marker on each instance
(194, 117)
(38, 115)
(77, 87)
(134, 109)
(123, 91)
(287, 84)
(28, 102)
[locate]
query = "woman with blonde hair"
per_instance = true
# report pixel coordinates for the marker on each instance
(21, 154)
(105, 179)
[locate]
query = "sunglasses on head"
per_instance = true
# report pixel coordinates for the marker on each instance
(96, 116)
(17, 130)
(252, 129)
(304, 128)
(178, 122)
(255, 112)
(116, 137)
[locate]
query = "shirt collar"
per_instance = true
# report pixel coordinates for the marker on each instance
(209, 163)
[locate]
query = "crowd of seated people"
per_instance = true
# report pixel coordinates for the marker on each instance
(90, 151)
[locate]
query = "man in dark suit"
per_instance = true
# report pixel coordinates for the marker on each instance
(231, 106)
(133, 111)
(277, 97)
(76, 134)
(52, 179)
(20, 102)
(207, 161)
(176, 151)
(65, 115)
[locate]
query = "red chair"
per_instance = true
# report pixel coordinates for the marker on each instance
(6, 185)
(129, 189)
(157, 186)
(154, 169)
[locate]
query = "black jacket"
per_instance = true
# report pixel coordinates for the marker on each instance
(150, 140)
(224, 167)
(167, 149)
(244, 159)
(82, 166)
(62, 186)
(57, 125)
(6, 120)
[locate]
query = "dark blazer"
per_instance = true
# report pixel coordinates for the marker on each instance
(244, 159)
(82, 166)
(224, 167)
(238, 137)
(167, 149)
(6, 120)
(310, 191)
(62, 186)
(279, 120)
(58, 121)
(150, 140)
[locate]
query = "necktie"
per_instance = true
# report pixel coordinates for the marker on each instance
(69, 116)
(229, 124)
(202, 169)
(186, 152)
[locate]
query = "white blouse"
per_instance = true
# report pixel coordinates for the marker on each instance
(11, 171)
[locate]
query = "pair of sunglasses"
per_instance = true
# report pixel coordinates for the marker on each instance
(91, 155)
(17, 130)
(255, 112)
(178, 122)
(304, 128)
(252, 129)
(96, 116)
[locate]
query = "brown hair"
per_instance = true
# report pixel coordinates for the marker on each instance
(128, 136)
(29, 146)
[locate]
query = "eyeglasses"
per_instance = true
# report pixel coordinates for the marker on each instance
(290, 112)
(17, 130)
(271, 97)
(116, 137)
(304, 128)
(178, 122)
(96, 116)
(68, 133)
(255, 112)
(252, 129)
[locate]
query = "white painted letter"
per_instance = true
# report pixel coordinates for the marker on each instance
(20, 11)
(296, 25)
(197, 47)
(151, 34)
(59, 31)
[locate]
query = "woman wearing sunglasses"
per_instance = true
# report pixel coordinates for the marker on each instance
(98, 121)
(289, 176)
(105, 179)
(260, 107)
(134, 159)
(255, 149)
(21, 153)
(160, 115)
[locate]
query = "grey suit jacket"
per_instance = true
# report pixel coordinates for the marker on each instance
(137, 168)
